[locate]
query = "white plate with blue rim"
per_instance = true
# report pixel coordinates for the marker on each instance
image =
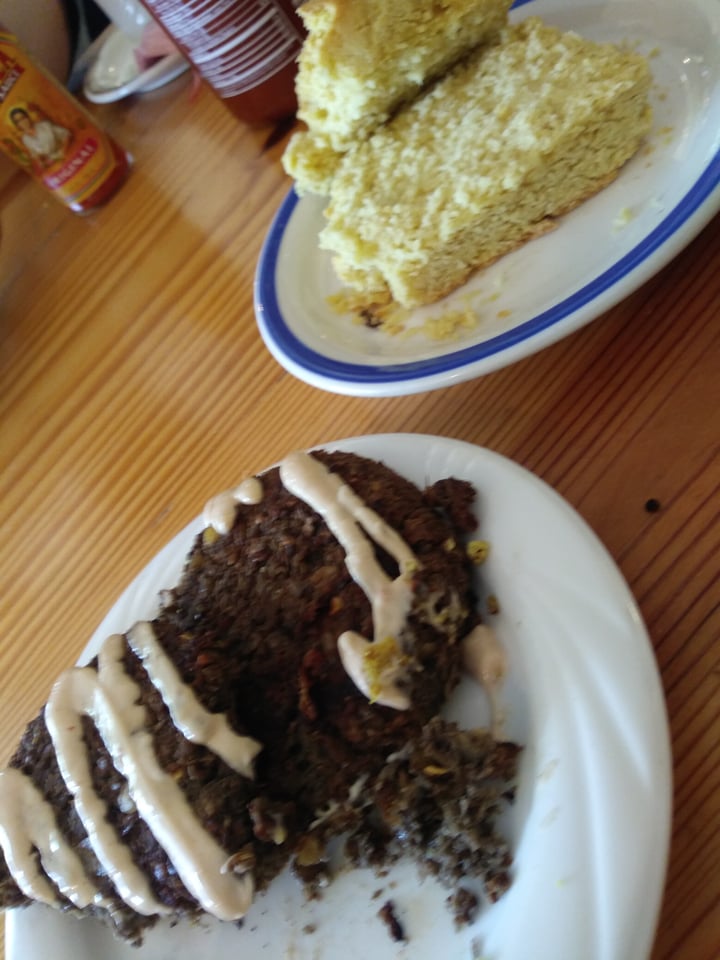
(598, 254)
(590, 825)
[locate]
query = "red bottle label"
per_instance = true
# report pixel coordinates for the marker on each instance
(47, 133)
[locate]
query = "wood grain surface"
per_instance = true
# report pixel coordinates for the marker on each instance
(135, 384)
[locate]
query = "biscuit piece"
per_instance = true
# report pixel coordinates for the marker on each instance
(522, 133)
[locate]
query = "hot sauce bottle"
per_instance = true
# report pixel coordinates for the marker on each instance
(49, 134)
(245, 50)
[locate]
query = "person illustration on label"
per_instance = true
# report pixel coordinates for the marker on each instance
(46, 141)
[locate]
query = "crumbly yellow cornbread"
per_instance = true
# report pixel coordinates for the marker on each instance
(311, 162)
(521, 133)
(363, 58)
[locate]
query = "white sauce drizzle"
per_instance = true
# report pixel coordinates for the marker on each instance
(345, 513)
(486, 662)
(219, 512)
(78, 692)
(28, 824)
(110, 697)
(352, 648)
(189, 716)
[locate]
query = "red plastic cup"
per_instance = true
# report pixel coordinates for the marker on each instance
(246, 50)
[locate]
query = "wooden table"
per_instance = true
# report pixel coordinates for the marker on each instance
(135, 384)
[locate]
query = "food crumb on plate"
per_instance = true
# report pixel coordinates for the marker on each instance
(389, 917)
(464, 905)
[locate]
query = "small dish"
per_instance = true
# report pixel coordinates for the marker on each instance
(599, 253)
(114, 72)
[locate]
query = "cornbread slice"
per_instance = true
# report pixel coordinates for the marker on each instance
(522, 133)
(363, 58)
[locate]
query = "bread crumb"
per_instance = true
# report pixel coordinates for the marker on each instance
(624, 217)
(450, 324)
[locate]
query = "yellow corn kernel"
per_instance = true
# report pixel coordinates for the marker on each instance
(478, 551)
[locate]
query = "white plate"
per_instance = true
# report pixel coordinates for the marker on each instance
(590, 825)
(114, 73)
(600, 252)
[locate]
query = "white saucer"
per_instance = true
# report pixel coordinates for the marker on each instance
(114, 72)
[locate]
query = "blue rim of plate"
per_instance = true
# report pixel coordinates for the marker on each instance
(287, 346)
(271, 318)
